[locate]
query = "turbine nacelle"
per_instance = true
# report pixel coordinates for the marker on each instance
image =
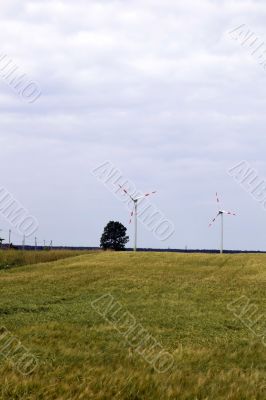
(226, 212)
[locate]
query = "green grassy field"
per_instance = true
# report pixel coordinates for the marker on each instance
(16, 258)
(181, 300)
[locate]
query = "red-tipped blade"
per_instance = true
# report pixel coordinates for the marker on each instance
(131, 215)
(125, 191)
(214, 219)
(229, 213)
(145, 195)
(148, 194)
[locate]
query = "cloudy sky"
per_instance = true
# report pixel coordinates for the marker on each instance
(161, 89)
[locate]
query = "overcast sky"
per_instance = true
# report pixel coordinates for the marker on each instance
(158, 88)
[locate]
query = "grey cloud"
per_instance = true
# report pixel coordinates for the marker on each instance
(159, 88)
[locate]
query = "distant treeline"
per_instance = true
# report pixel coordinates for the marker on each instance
(80, 248)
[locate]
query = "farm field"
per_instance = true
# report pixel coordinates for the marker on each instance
(187, 303)
(16, 258)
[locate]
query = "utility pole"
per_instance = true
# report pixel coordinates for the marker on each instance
(51, 245)
(9, 238)
(35, 243)
(44, 244)
(23, 242)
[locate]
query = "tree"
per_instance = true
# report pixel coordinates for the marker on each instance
(114, 236)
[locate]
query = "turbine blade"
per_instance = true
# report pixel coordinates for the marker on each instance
(145, 195)
(131, 215)
(218, 201)
(125, 191)
(229, 213)
(214, 219)
(148, 194)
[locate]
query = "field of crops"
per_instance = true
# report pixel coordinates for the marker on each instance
(16, 258)
(87, 322)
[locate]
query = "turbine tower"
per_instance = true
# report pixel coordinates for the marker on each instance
(135, 212)
(221, 214)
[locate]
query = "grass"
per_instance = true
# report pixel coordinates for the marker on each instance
(180, 299)
(15, 258)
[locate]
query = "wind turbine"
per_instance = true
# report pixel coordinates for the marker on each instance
(221, 214)
(135, 211)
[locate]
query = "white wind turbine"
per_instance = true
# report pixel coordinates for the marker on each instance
(135, 211)
(221, 214)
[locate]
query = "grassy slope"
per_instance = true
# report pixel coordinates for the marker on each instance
(180, 299)
(15, 258)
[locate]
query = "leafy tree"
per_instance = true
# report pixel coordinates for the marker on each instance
(114, 236)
